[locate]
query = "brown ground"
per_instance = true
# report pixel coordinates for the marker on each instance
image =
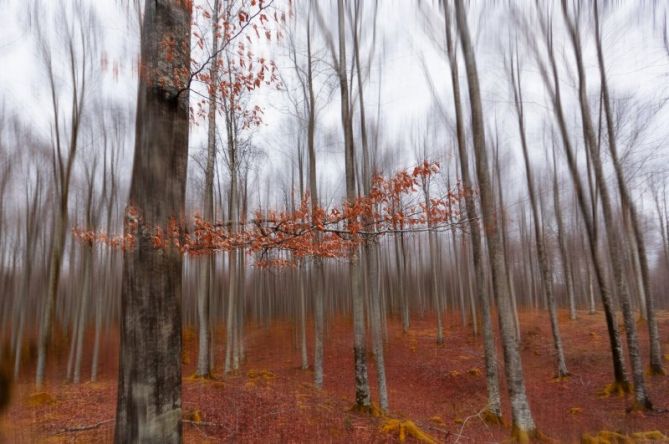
(440, 388)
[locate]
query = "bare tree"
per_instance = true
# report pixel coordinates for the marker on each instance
(523, 422)
(545, 271)
(79, 48)
(490, 353)
(629, 207)
(641, 397)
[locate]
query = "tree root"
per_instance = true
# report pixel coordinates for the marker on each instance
(656, 371)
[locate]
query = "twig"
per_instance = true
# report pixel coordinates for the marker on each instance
(202, 423)
(83, 428)
(464, 423)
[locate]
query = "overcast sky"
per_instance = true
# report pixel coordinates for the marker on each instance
(409, 35)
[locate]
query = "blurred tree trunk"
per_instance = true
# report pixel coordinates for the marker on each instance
(565, 259)
(79, 67)
(545, 271)
(588, 213)
(629, 208)
(204, 367)
(489, 348)
(615, 252)
(92, 216)
(317, 275)
(523, 423)
(363, 399)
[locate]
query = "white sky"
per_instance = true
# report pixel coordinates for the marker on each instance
(638, 68)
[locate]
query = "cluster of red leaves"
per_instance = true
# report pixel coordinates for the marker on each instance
(240, 69)
(280, 237)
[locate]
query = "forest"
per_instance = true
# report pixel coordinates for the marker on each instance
(437, 221)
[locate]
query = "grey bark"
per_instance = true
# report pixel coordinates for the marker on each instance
(545, 271)
(489, 348)
(522, 420)
(640, 395)
(149, 387)
(204, 366)
(362, 393)
(62, 170)
(629, 207)
(588, 214)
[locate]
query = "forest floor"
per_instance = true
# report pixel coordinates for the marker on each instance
(439, 388)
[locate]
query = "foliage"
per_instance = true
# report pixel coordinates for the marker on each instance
(392, 206)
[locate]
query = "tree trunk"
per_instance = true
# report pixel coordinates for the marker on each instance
(588, 214)
(523, 423)
(629, 207)
(362, 394)
(641, 397)
(149, 387)
(545, 272)
(489, 348)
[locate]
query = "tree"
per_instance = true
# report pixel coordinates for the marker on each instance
(489, 349)
(629, 208)
(149, 386)
(640, 396)
(206, 268)
(552, 85)
(523, 422)
(545, 271)
(79, 49)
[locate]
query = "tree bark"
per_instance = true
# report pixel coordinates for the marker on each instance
(149, 387)
(362, 394)
(522, 420)
(629, 207)
(545, 272)
(489, 348)
(641, 397)
(588, 214)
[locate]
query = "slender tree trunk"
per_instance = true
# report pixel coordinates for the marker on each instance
(489, 348)
(523, 422)
(588, 214)
(362, 394)
(83, 310)
(317, 272)
(206, 267)
(568, 276)
(545, 271)
(641, 397)
(629, 207)
(303, 319)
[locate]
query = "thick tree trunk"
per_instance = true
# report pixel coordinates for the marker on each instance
(149, 387)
